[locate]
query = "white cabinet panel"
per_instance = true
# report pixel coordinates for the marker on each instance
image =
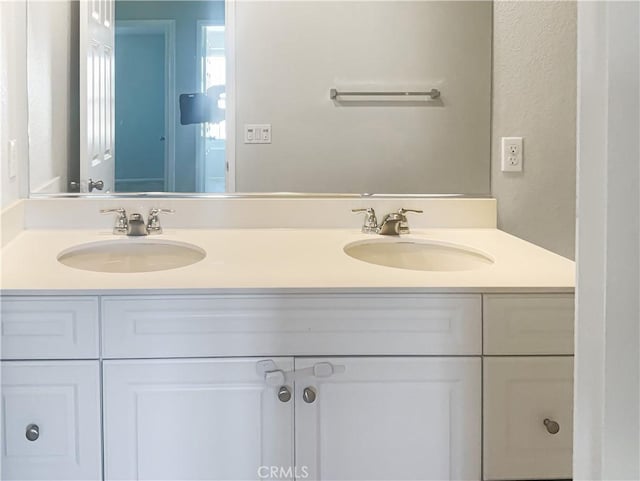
(528, 324)
(520, 393)
(194, 419)
(390, 419)
(50, 328)
(199, 326)
(59, 402)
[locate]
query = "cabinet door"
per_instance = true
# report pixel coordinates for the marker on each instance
(528, 417)
(389, 418)
(194, 419)
(51, 420)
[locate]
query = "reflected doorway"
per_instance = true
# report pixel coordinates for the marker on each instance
(144, 133)
(163, 143)
(211, 142)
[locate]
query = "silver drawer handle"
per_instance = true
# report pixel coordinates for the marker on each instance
(552, 426)
(284, 394)
(309, 395)
(33, 432)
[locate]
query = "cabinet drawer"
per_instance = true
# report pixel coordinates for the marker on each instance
(519, 395)
(528, 324)
(193, 326)
(50, 328)
(58, 403)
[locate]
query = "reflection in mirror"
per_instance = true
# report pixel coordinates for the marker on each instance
(169, 55)
(203, 96)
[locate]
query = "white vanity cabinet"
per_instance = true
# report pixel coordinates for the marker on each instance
(381, 415)
(50, 388)
(401, 418)
(213, 419)
(319, 387)
(373, 418)
(51, 420)
(528, 386)
(46, 327)
(528, 417)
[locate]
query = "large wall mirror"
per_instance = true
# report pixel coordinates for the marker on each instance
(389, 97)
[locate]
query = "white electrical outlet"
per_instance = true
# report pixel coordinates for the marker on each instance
(13, 159)
(512, 154)
(257, 133)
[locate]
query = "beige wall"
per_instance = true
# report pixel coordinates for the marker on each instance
(13, 96)
(288, 56)
(53, 94)
(534, 96)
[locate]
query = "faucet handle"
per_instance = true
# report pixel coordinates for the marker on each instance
(120, 227)
(404, 223)
(370, 225)
(153, 220)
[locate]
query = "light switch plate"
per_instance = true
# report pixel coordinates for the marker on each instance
(257, 133)
(512, 154)
(13, 158)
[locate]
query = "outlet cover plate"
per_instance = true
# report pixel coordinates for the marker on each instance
(512, 154)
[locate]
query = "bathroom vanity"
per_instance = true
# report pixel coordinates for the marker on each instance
(279, 356)
(266, 336)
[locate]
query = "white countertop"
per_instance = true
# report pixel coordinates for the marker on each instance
(282, 260)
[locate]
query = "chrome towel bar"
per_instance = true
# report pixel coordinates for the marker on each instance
(432, 94)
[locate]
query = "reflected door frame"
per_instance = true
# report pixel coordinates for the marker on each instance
(168, 29)
(230, 54)
(230, 103)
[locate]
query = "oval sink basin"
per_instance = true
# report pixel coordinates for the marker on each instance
(131, 255)
(417, 255)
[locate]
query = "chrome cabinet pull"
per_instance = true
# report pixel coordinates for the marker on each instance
(33, 432)
(552, 426)
(309, 395)
(284, 394)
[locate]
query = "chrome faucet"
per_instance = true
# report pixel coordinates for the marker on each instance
(395, 223)
(390, 224)
(134, 225)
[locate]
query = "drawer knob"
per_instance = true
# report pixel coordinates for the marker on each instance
(309, 395)
(284, 394)
(552, 426)
(33, 432)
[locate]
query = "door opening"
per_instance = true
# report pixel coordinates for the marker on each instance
(212, 169)
(144, 115)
